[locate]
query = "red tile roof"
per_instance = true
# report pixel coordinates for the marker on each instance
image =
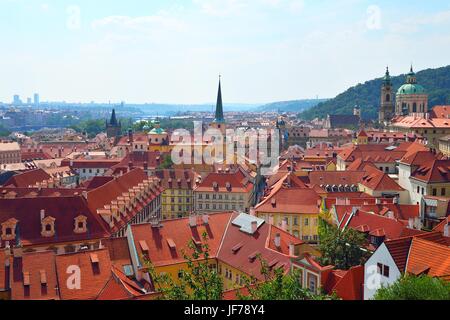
(94, 276)
(28, 178)
(378, 225)
(33, 277)
(260, 242)
(335, 177)
(90, 164)
(377, 180)
(429, 257)
(177, 179)
(119, 287)
(63, 208)
(237, 181)
(151, 159)
(119, 252)
(181, 234)
(348, 284)
(434, 172)
(290, 200)
(399, 248)
(442, 112)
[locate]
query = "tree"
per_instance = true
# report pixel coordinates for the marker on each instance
(341, 248)
(410, 287)
(278, 286)
(167, 163)
(199, 282)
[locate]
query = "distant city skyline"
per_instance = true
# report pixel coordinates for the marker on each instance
(173, 51)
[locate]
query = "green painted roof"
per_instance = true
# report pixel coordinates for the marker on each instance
(157, 131)
(410, 88)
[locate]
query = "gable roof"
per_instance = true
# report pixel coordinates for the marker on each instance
(428, 257)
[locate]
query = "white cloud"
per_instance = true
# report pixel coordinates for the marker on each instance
(143, 23)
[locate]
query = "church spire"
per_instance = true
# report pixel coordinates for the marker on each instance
(113, 120)
(219, 106)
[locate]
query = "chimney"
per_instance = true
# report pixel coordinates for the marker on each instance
(292, 250)
(252, 211)
(42, 214)
(271, 220)
(278, 240)
(205, 219)
(130, 135)
(130, 166)
(254, 226)
(192, 221)
(447, 230)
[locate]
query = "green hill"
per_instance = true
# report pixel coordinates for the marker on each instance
(367, 95)
(291, 106)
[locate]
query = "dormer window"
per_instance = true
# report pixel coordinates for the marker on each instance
(9, 229)
(48, 227)
(80, 224)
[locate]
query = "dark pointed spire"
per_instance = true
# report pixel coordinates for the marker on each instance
(113, 120)
(219, 106)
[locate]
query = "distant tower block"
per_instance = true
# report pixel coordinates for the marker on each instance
(387, 99)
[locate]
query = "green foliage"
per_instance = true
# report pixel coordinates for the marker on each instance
(4, 132)
(199, 282)
(410, 287)
(278, 286)
(367, 95)
(166, 163)
(91, 127)
(341, 248)
(291, 106)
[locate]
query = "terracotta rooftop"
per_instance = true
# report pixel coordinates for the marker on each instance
(28, 178)
(33, 277)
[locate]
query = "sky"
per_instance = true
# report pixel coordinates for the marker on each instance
(172, 51)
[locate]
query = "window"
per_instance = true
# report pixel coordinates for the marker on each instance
(418, 189)
(434, 192)
(312, 283)
(8, 231)
(386, 271)
(306, 222)
(443, 192)
(383, 270)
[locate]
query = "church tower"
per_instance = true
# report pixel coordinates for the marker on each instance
(387, 99)
(113, 127)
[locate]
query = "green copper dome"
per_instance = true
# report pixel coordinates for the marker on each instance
(157, 131)
(411, 88)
